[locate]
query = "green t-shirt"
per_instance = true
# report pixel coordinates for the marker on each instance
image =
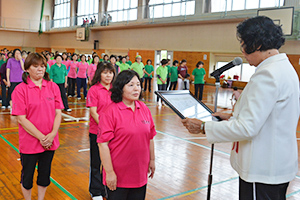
(168, 66)
(149, 69)
(2, 62)
(138, 68)
(101, 60)
(129, 63)
(174, 73)
(163, 73)
(48, 69)
(90, 61)
(58, 74)
(199, 73)
(124, 66)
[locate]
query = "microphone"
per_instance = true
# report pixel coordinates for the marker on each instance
(218, 72)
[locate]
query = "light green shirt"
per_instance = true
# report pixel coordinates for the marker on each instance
(124, 66)
(163, 73)
(138, 68)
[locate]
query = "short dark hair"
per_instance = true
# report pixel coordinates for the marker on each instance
(199, 63)
(102, 66)
(82, 56)
(259, 34)
(122, 79)
(235, 88)
(164, 61)
(34, 59)
(14, 52)
(112, 56)
(96, 56)
(175, 62)
(58, 55)
(182, 61)
(148, 61)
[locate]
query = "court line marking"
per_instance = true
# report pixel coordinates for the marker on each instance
(189, 192)
(52, 180)
(82, 150)
(194, 143)
(190, 138)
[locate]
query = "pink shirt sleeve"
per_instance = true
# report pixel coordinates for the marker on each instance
(152, 126)
(58, 101)
(91, 100)
(19, 101)
(89, 70)
(105, 129)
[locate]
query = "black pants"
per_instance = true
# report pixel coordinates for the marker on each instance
(127, 193)
(81, 82)
(173, 84)
(262, 191)
(71, 86)
(148, 82)
(29, 161)
(142, 80)
(199, 88)
(4, 96)
(161, 87)
(168, 82)
(11, 89)
(96, 186)
(63, 95)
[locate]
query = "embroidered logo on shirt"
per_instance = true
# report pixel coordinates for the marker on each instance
(145, 122)
(50, 98)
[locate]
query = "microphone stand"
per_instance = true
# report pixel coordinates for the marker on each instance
(210, 176)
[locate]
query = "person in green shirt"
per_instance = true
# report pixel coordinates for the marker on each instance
(58, 74)
(149, 72)
(198, 76)
(128, 61)
(3, 59)
(173, 73)
(138, 67)
(123, 65)
(168, 77)
(162, 74)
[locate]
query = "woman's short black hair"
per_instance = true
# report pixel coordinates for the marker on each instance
(58, 55)
(122, 79)
(14, 52)
(148, 61)
(182, 61)
(199, 63)
(175, 62)
(164, 61)
(112, 56)
(259, 34)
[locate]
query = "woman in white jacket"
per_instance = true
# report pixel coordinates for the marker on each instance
(264, 122)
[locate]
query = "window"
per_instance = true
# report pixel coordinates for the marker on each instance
(87, 9)
(244, 71)
(171, 8)
(231, 5)
(122, 10)
(61, 13)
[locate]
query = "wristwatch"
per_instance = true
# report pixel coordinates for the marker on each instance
(202, 127)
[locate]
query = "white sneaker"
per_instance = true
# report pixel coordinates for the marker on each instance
(98, 198)
(70, 96)
(79, 98)
(69, 110)
(8, 107)
(3, 107)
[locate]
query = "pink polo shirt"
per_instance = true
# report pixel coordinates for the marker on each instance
(82, 68)
(51, 62)
(67, 63)
(39, 107)
(129, 134)
(97, 96)
(73, 70)
(91, 71)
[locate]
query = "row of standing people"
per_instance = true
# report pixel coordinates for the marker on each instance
(114, 103)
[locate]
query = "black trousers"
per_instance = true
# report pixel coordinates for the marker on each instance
(262, 191)
(29, 161)
(142, 80)
(199, 88)
(148, 82)
(4, 96)
(168, 82)
(127, 193)
(161, 87)
(11, 89)
(81, 82)
(63, 95)
(71, 86)
(96, 186)
(173, 84)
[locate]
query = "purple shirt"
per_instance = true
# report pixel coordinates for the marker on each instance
(16, 70)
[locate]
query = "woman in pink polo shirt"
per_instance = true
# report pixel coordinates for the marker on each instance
(65, 60)
(38, 136)
(92, 69)
(98, 98)
(72, 75)
(125, 138)
(81, 76)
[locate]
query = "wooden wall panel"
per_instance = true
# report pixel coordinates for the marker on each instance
(41, 49)
(11, 48)
(192, 58)
(146, 54)
(294, 59)
(99, 52)
(70, 50)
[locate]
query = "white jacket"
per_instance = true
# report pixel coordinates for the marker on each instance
(264, 123)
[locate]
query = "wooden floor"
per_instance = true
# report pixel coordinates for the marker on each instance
(182, 159)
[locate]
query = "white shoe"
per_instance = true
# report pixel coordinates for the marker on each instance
(8, 107)
(70, 96)
(69, 110)
(3, 107)
(79, 98)
(98, 198)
